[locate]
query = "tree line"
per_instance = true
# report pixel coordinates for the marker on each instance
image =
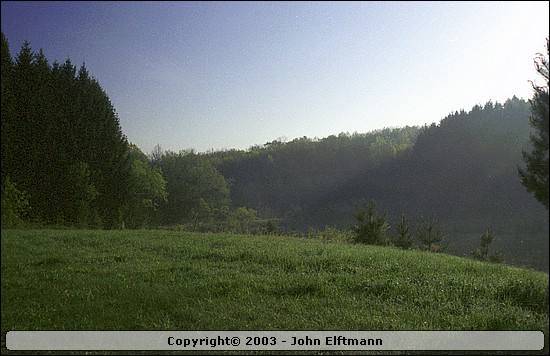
(462, 168)
(65, 161)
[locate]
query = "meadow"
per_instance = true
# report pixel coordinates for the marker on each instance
(169, 280)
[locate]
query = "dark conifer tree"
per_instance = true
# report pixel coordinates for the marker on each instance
(7, 106)
(22, 160)
(535, 177)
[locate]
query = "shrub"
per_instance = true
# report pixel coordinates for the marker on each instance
(242, 220)
(330, 234)
(15, 204)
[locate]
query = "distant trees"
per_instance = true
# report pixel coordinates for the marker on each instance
(284, 178)
(462, 168)
(198, 194)
(147, 191)
(535, 176)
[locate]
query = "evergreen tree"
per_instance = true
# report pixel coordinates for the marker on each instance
(101, 144)
(482, 253)
(62, 142)
(405, 238)
(535, 177)
(371, 226)
(430, 236)
(6, 116)
(42, 139)
(22, 160)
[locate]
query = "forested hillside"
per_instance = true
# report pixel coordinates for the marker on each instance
(463, 167)
(463, 170)
(66, 162)
(281, 179)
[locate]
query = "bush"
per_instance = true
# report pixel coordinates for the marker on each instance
(242, 220)
(330, 234)
(15, 204)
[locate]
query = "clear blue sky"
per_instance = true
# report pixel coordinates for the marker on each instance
(214, 75)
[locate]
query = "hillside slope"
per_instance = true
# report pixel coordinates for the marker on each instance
(163, 280)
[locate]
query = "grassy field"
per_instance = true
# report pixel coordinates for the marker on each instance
(166, 280)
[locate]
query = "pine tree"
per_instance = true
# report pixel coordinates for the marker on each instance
(430, 236)
(22, 158)
(6, 116)
(405, 238)
(482, 253)
(103, 147)
(535, 177)
(371, 228)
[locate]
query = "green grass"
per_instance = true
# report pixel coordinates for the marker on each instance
(166, 280)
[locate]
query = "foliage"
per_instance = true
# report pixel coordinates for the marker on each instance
(242, 220)
(148, 193)
(80, 196)
(269, 227)
(283, 179)
(535, 176)
(197, 192)
(431, 237)
(463, 168)
(331, 234)
(156, 155)
(15, 204)
(371, 226)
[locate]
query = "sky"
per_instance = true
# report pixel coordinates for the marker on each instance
(224, 75)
